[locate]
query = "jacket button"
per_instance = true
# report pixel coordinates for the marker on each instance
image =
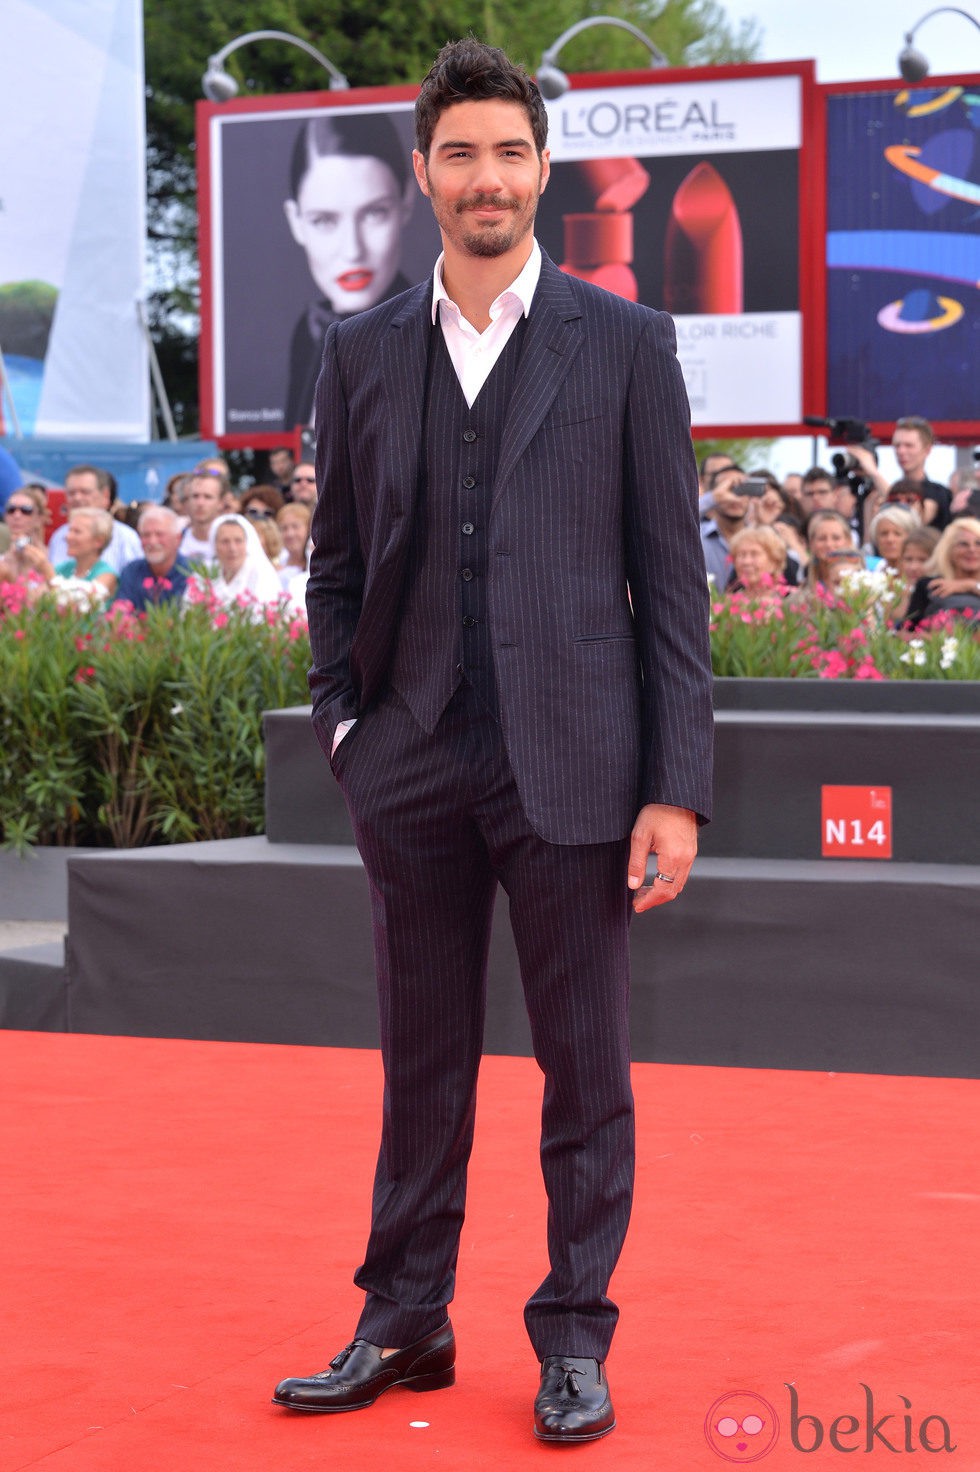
(469, 482)
(468, 528)
(469, 435)
(467, 575)
(468, 621)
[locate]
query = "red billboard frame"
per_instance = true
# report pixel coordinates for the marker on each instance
(811, 223)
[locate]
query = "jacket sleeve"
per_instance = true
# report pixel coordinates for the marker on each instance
(335, 587)
(667, 578)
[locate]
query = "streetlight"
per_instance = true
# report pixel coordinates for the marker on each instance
(552, 80)
(220, 86)
(911, 63)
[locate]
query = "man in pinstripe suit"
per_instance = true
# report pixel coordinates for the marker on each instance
(508, 616)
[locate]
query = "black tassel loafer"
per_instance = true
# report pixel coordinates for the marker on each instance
(573, 1402)
(360, 1373)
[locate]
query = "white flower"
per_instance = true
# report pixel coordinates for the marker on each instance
(176, 710)
(948, 653)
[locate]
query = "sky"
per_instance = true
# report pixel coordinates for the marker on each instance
(856, 41)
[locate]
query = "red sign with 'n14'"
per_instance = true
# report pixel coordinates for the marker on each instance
(856, 822)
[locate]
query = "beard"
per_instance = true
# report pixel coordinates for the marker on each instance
(486, 239)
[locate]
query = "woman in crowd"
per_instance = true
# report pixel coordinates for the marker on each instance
(24, 518)
(888, 532)
(916, 551)
(827, 532)
(244, 571)
(951, 582)
(350, 197)
(270, 536)
(261, 502)
(294, 524)
(758, 558)
(89, 534)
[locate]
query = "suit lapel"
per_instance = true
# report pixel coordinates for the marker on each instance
(552, 341)
(405, 352)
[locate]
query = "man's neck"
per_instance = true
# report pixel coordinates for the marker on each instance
(728, 525)
(200, 529)
(475, 282)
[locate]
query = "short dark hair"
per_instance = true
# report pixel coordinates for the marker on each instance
(817, 473)
(470, 71)
(103, 479)
(361, 135)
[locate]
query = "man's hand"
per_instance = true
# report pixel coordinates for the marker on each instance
(672, 834)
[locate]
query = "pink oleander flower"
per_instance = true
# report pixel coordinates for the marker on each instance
(219, 620)
(868, 670)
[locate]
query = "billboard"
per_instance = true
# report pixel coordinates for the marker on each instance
(73, 213)
(679, 189)
(903, 253)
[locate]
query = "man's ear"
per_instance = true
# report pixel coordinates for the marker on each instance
(418, 164)
(545, 168)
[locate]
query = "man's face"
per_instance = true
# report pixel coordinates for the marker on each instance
(822, 495)
(281, 463)
(713, 463)
(82, 489)
(160, 539)
(728, 503)
(303, 484)
(483, 177)
(204, 500)
(911, 451)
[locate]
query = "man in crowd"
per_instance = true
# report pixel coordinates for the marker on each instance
(160, 575)
(726, 513)
(502, 451)
(912, 441)
(716, 460)
(88, 485)
(281, 465)
(203, 504)
(302, 484)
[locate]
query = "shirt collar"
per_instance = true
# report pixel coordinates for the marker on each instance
(522, 288)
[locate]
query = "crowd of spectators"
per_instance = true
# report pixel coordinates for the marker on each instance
(797, 539)
(801, 538)
(205, 541)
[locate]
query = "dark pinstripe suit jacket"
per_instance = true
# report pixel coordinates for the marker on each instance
(596, 582)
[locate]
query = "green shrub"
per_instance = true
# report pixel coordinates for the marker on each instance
(122, 730)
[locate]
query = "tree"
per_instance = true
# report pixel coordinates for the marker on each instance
(374, 43)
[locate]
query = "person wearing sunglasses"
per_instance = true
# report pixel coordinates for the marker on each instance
(302, 485)
(23, 518)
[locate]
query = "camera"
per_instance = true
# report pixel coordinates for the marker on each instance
(853, 432)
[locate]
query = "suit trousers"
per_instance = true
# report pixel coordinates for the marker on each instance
(439, 823)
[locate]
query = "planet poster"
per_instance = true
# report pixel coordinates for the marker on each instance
(903, 254)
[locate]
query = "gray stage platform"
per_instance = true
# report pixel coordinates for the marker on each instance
(824, 965)
(774, 958)
(770, 765)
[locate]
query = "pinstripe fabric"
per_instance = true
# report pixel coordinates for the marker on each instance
(596, 607)
(443, 628)
(603, 706)
(438, 822)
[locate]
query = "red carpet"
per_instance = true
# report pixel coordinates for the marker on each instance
(180, 1221)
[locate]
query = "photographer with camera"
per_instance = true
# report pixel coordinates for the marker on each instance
(912, 441)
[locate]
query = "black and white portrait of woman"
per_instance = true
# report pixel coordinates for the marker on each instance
(350, 197)
(311, 219)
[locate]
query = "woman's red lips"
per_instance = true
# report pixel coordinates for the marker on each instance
(355, 280)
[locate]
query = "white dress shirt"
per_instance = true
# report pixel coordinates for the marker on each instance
(474, 353)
